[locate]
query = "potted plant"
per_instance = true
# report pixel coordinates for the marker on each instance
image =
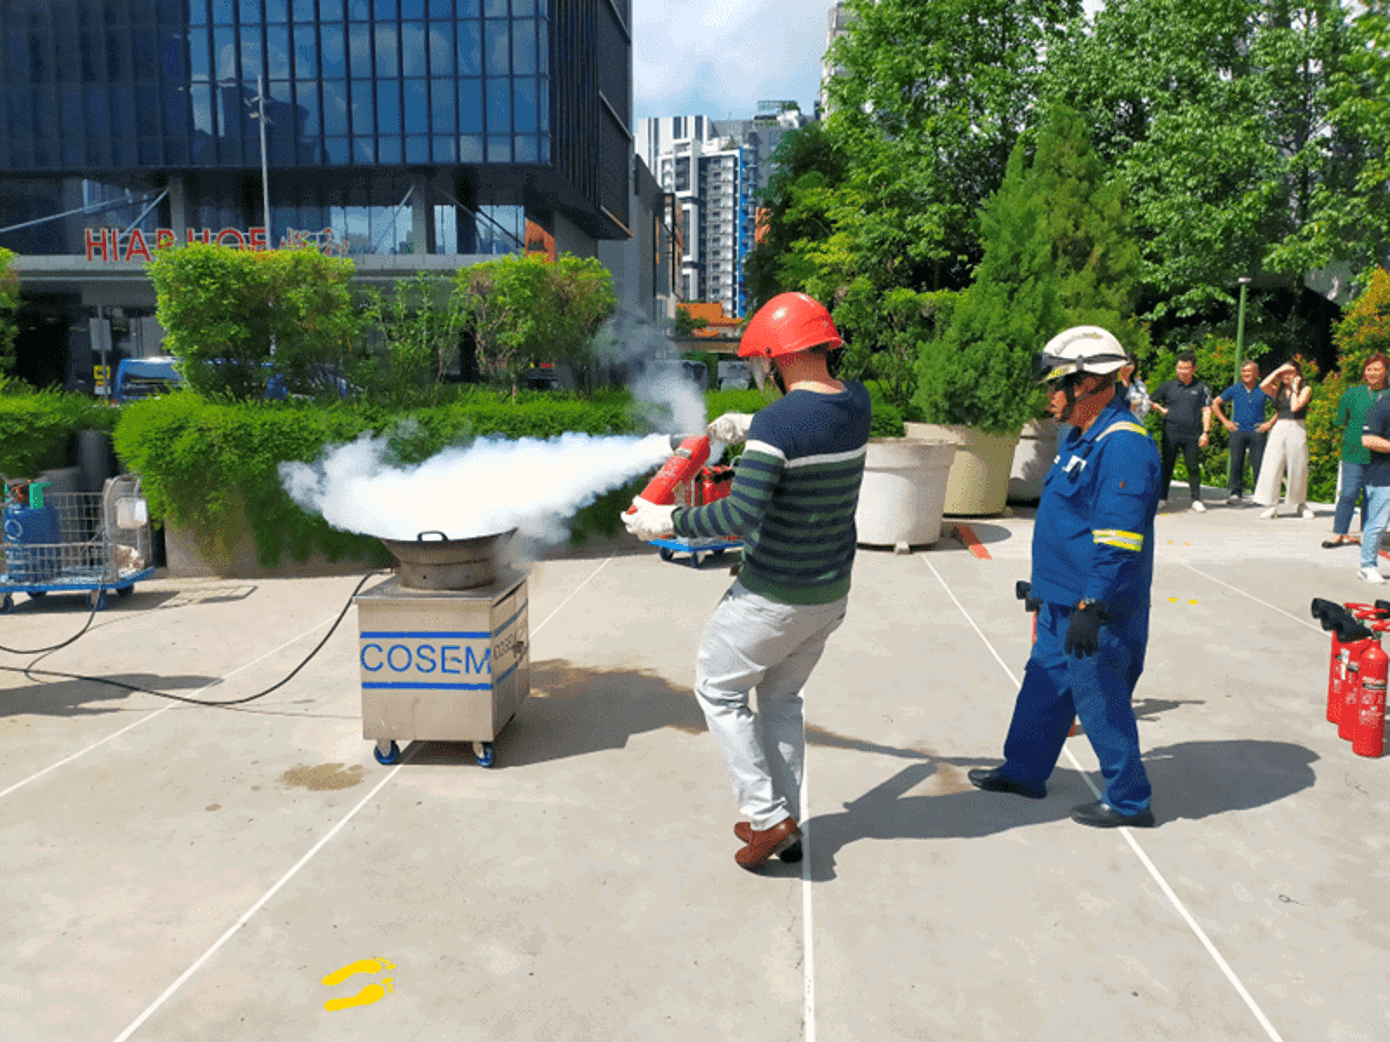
(903, 496)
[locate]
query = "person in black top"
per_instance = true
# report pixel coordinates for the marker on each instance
(1375, 436)
(1185, 404)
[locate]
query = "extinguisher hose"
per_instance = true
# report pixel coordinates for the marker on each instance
(31, 672)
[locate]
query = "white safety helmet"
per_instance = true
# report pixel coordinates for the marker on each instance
(1080, 350)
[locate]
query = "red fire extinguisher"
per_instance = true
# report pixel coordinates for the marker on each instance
(691, 454)
(1328, 613)
(1356, 639)
(1368, 723)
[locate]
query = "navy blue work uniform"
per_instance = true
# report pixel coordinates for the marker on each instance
(1093, 537)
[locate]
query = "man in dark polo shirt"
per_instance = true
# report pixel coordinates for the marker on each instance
(1185, 404)
(1247, 425)
(1375, 435)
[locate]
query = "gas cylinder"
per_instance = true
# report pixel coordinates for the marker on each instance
(691, 454)
(1368, 725)
(1356, 639)
(1336, 677)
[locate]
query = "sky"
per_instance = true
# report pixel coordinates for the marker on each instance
(719, 58)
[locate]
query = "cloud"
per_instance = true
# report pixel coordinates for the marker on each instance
(719, 58)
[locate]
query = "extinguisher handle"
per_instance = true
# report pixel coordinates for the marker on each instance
(1321, 608)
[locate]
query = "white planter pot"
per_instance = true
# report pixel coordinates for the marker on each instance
(979, 484)
(1037, 448)
(904, 491)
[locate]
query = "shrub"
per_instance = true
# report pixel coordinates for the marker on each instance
(37, 428)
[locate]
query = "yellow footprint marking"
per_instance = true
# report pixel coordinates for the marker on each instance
(1191, 602)
(360, 966)
(1172, 600)
(371, 993)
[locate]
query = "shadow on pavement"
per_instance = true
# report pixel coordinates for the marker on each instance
(74, 697)
(1190, 780)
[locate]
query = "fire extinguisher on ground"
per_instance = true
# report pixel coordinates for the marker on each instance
(1368, 713)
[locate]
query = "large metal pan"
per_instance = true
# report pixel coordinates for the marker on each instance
(433, 561)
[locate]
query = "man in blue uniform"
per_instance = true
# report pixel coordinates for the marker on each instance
(1092, 569)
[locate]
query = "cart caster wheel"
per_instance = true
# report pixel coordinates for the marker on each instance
(485, 753)
(7, 605)
(96, 600)
(667, 553)
(125, 591)
(390, 756)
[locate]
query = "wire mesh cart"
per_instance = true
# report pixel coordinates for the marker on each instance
(78, 542)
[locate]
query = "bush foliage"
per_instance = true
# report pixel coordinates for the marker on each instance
(37, 428)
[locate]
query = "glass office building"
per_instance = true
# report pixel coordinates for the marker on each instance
(407, 134)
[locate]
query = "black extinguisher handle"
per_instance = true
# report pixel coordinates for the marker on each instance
(1023, 590)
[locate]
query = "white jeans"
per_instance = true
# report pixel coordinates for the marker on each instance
(1287, 448)
(751, 641)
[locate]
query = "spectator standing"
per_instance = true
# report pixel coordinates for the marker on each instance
(1247, 425)
(1185, 404)
(1131, 390)
(1375, 436)
(1351, 415)
(1288, 444)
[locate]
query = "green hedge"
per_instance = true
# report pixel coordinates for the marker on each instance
(199, 460)
(36, 430)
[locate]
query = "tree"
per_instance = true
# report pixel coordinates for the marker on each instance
(806, 161)
(9, 303)
(1094, 251)
(927, 103)
(420, 325)
(524, 310)
(978, 371)
(235, 318)
(1237, 129)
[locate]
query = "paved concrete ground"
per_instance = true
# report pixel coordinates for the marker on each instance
(173, 872)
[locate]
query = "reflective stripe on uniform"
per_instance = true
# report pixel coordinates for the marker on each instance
(1118, 538)
(1123, 425)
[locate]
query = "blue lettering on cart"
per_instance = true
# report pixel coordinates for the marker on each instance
(425, 634)
(472, 664)
(391, 658)
(446, 660)
(366, 648)
(424, 658)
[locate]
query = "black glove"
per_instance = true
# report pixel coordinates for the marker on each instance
(1083, 633)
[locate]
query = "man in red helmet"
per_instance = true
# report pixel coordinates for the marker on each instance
(792, 502)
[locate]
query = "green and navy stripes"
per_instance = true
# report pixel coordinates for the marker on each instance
(793, 497)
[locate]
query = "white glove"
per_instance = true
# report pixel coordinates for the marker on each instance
(648, 520)
(732, 427)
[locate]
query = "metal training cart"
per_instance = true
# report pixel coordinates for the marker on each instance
(78, 542)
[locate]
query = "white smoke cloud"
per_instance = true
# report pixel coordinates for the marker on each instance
(656, 375)
(492, 486)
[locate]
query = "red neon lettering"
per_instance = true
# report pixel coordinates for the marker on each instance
(94, 244)
(113, 248)
(164, 238)
(232, 233)
(137, 247)
(258, 239)
(193, 236)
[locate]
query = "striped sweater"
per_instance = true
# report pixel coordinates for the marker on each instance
(793, 496)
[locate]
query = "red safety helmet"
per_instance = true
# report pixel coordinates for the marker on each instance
(786, 324)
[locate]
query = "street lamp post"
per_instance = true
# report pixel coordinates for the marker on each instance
(1244, 281)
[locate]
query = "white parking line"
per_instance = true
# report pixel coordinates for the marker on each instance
(280, 883)
(159, 712)
(1128, 833)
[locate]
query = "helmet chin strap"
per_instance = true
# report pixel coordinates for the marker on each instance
(1073, 399)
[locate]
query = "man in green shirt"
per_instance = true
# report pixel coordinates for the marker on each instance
(1351, 415)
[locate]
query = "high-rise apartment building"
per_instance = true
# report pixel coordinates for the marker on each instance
(715, 169)
(837, 22)
(407, 134)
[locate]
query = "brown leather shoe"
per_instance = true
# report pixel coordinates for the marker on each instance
(744, 831)
(762, 845)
